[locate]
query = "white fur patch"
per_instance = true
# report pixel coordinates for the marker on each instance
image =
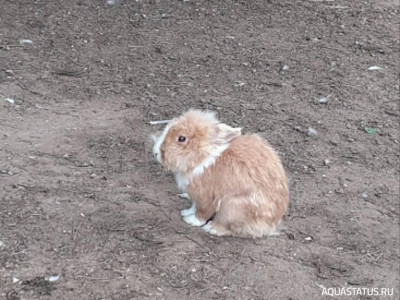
(184, 196)
(218, 206)
(208, 228)
(160, 141)
(254, 200)
(192, 220)
(209, 161)
(181, 181)
(189, 211)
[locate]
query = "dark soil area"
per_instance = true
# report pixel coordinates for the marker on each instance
(81, 196)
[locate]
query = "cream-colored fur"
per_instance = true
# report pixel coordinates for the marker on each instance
(238, 180)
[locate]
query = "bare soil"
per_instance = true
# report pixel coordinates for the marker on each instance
(81, 196)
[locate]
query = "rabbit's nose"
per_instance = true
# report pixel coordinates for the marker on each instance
(157, 155)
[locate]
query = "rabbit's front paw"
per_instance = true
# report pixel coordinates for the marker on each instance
(184, 196)
(189, 211)
(192, 220)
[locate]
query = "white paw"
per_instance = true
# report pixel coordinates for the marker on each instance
(192, 220)
(184, 196)
(189, 211)
(208, 228)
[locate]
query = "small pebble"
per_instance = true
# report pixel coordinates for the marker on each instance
(25, 42)
(15, 280)
(364, 195)
(6, 172)
(322, 100)
(10, 100)
(311, 132)
(52, 278)
(9, 72)
(339, 191)
(374, 68)
(309, 238)
(110, 2)
(93, 175)
(261, 128)
(335, 140)
(285, 68)
(152, 114)
(326, 162)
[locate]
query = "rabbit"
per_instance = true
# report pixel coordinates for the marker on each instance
(236, 182)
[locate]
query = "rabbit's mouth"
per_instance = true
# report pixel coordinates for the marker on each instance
(158, 154)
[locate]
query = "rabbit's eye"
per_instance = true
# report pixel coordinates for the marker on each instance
(181, 139)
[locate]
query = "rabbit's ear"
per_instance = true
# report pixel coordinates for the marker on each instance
(227, 133)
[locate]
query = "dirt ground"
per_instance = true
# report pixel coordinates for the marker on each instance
(82, 198)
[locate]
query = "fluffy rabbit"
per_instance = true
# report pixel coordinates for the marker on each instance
(236, 182)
